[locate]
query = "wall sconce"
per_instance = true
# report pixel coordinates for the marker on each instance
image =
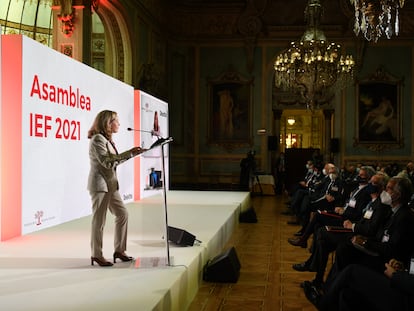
(291, 121)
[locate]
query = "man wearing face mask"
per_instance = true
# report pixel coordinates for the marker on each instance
(301, 200)
(393, 240)
(325, 200)
(375, 212)
(344, 217)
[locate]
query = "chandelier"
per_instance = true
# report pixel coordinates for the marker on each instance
(373, 18)
(313, 67)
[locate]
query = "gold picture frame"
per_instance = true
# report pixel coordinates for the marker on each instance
(230, 98)
(378, 112)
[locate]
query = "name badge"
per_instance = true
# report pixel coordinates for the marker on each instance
(334, 188)
(368, 214)
(352, 203)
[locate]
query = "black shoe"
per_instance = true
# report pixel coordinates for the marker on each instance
(298, 242)
(299, 233)
(312, 293)
(301, 267)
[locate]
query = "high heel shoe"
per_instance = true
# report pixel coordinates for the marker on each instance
(121, 256)
(101, 261)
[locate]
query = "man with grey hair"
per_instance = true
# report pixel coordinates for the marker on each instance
(352, 211)
(375, 213)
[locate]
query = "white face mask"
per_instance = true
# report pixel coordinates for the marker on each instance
(324, 172)
(385, 198)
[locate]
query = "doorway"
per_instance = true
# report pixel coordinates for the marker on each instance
(301, 129)
(301, 135)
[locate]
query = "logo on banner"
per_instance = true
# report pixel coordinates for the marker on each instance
(38, 217)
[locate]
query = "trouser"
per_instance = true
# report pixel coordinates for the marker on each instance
(101, 202)
(361, 288)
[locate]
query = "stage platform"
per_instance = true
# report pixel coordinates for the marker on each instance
(50, 269)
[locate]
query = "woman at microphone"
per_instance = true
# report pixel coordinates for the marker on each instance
(103, 186)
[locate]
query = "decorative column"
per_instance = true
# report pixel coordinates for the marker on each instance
(328, 134)
(277, 115)
(69, 30)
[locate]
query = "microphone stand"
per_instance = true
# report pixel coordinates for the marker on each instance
(162, 142)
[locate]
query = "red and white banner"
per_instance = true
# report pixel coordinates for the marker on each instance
(48, 103)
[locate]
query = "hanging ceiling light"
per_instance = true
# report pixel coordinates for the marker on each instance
(373, 18)
(313, 67)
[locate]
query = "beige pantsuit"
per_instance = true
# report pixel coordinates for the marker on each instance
(103, 188)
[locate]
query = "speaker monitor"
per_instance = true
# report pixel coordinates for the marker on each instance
(248, 216)
(224, 268)
(272, 143)
(335, 145)
(180, 237)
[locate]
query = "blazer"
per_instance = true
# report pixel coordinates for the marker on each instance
(380, 214)
(104, 159)
(361, 197)
(400, 231)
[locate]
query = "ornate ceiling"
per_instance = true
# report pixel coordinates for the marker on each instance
(266, 19)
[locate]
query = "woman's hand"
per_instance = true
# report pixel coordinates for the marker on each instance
(136, 151)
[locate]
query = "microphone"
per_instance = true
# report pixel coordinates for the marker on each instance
(161, 141)
(131, 129)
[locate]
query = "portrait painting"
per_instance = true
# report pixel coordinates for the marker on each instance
(379, 111)
(230, 111)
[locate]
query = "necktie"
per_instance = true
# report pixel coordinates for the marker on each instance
(366, 207)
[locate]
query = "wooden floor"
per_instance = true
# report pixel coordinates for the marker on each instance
(267, 280)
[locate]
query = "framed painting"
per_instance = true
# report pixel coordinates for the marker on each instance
(230, 104)
(379, 123)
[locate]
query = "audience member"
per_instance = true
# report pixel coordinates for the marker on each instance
(327, 239)
(351, 211)
(301, 196)
(360, 288)
(394, 240)
(324, 199)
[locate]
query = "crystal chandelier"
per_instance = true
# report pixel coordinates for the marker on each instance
(313, 67)
(373, 18)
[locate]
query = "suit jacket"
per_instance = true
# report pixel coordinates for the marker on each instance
(361, 197)
(104, 159)
(370, 227)
(331, 187)
(400, 231)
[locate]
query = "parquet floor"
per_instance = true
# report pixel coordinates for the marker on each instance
(267, 280)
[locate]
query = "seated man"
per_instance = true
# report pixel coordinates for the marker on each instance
(351, 211)
(331, 193)
(360, 288)
(376, 212)
(300, 188)
(313, 185)
(394, 240)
